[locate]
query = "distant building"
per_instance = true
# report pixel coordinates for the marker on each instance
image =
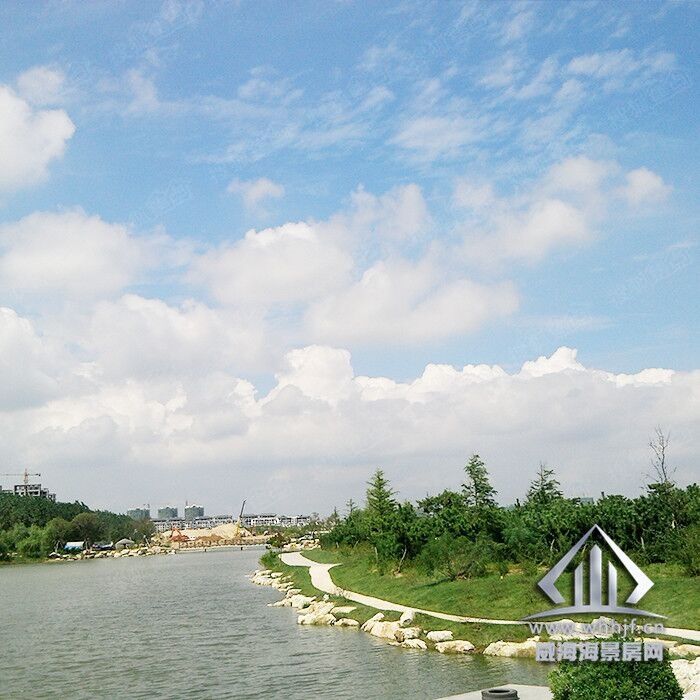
(586, 501)
(33, 490)
(166, 524)
(274, 520)
(193, 511)
(167, 513)
(139, 513)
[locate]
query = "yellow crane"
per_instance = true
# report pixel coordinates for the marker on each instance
(26, 474)
(239, 524)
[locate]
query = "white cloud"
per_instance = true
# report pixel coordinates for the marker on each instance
(143, 93)
(254, 192)
(138, 337)
(579, 174)
(28, 369)
(531, 234)
(283, 265)
(622, 68)
(29, 140)
(42, 85)
(642, 186)
(398, 215)
(471, 195)
(402, 302)
(67, 255)
(502, 72)
(323, 424)
(430, 137)
(560, 210)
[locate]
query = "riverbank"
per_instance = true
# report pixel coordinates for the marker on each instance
(302, 579)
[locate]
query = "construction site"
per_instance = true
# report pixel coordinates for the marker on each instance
(232, 534)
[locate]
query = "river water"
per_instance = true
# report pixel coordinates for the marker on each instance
(192, 626)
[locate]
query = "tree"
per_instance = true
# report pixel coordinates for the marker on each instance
(87, 527)
(351, 506)
(380, 497)
(659, 445)
(544, 488)
(477, 490)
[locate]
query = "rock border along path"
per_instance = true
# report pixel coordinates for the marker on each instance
(321, 579)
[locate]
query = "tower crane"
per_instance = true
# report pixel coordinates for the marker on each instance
(25, 474)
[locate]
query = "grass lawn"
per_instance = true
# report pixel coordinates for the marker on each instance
(510, 597)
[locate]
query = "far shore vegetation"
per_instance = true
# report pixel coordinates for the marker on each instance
(32, 528)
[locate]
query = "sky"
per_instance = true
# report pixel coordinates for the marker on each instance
(259, 249)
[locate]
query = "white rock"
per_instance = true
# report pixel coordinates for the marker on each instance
(407, 618)
(456, 646)
(367, 626)
(687, 674)
(346, 622)
(300, 601)
(404, 633)
(440, 636)
(384, 630)
(414, 644)
(687, 650)
(318, 608)
(316, 619)
(513, 649)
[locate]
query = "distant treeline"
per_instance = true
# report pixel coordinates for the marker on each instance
(459, 534)
(34, 527)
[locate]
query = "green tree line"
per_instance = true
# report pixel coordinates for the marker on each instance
(35, 527)
(465, 533)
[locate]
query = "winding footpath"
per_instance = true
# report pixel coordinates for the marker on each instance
(321, 579)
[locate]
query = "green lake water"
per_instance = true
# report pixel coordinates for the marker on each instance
(193, 626)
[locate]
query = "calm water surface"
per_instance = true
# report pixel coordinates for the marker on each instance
(192, 626)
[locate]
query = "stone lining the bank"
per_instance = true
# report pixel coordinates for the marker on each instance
(403, 633)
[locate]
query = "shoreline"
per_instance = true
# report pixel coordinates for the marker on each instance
(415, 629)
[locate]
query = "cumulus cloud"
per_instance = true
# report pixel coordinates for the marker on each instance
(29, 140)
(398, 215)
(29, 371)
(254, 192)
(642, 186)
(562, 209)
(283, 265)
(323, 424)
(67, 254)
(139, 337)
(399, 301)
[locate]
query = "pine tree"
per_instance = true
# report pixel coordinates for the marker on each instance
(380, 497)
(544, 488)
(477, 491)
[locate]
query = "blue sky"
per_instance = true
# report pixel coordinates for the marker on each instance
(404, 185)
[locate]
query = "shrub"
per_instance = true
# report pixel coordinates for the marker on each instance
(456, 557)
(616, 680)
(688, 553)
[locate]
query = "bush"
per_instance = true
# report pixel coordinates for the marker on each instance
(688, 553)
(456, 557)
(616, 680)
